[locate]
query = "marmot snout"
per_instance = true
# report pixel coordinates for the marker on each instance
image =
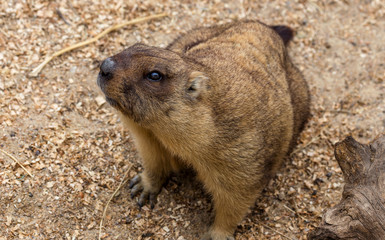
(224, 100)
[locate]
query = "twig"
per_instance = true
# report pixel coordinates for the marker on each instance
(341, 111)
(123, 141)
(17, 161)
(37, 70)
(283, 235)
(5, 33)
(291, 210)
(60, 14)
(125, 179)
(305, 146)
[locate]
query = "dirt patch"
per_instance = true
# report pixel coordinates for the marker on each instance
(73, 144)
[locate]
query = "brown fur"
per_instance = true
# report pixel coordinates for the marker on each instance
(231, 105)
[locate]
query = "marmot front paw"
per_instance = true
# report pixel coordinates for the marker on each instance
(147, 192)
(214, 235)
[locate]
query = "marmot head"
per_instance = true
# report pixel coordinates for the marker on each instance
(142, 82)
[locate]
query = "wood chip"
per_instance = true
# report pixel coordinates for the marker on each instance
(60, 128)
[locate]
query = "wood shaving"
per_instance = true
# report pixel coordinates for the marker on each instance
(64, 133)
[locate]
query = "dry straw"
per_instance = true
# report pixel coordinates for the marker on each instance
(125, 179)
(17, 161)
(38, 69)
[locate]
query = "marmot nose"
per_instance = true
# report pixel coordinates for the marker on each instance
(107, 67)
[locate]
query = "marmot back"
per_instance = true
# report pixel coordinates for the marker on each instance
(225, 100)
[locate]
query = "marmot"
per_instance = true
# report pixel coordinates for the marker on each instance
(224, 100)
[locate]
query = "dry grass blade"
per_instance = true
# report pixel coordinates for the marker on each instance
(38, 69)
(125, 179)
(17, 161)
(283, 235)
(291, 210)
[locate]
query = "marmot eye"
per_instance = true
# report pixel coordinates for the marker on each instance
(154, 76)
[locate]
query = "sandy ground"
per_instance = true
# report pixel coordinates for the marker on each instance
(59, 128)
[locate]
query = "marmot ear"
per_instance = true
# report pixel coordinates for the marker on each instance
(197, 84)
